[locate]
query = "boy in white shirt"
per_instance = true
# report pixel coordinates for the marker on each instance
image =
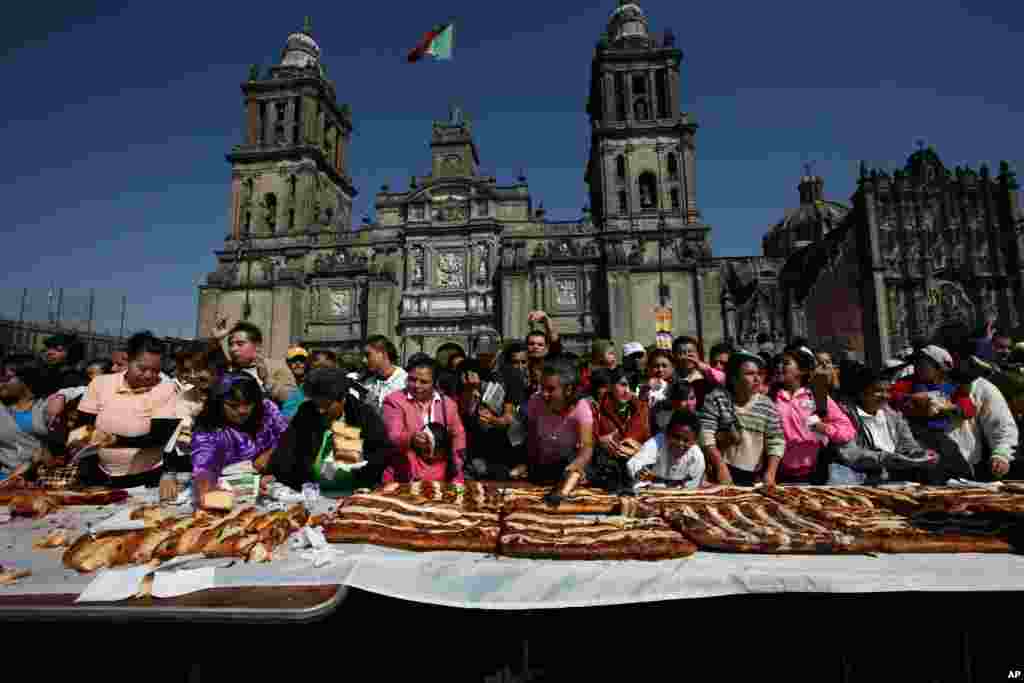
(673, 456)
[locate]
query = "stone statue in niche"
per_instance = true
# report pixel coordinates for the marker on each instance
(341, 302)
(646, 196)
(636, 253)
(488, 302)
(417, 265)
(481, 273)
(540, 251)
(274, 266)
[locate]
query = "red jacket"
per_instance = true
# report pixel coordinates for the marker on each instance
(899, 399)
(637, 426)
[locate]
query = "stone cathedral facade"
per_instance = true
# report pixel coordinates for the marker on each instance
(458, 258)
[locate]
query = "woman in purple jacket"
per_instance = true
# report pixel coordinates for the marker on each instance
(237, 424)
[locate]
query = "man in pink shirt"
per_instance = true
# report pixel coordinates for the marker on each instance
(407, 412)
(805, 431)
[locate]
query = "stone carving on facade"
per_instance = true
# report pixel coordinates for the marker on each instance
(451, 162)
(450, 213)
(341, 303)
(591, 250)
(417, 265)
(225, 275)
(947, 302)
(565, 292)
(272, 267)
(635, 255)
(481, 272)
(684, 252)
(539, 251)
(450, 271)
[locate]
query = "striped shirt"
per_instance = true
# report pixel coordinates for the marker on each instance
(758, 423)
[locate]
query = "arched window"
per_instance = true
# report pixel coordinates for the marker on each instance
(675, 198)
(639, 85)
(648, 190)
(291, 187)
(623, 209)
(620, 167)
(620, 97)
(661, 89)
(641, 112)
(271, 203)
(247, 225)
(279, 124)
(673, 166)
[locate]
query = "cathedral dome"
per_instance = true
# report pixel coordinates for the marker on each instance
(810, 222)
(301, 51)
(627, 21)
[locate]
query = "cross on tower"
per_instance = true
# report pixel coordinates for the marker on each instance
(307, 26)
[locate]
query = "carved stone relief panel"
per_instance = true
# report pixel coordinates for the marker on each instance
(566, 292)
(450, 270)
(341, 303)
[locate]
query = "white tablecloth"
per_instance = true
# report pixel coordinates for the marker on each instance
(488, 582)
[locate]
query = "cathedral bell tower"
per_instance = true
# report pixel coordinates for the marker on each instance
(642, 181)
(290, 188)
(642, 160)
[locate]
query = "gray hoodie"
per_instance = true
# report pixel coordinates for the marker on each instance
(17, 447)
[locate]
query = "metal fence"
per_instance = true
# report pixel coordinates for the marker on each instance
(28, 316)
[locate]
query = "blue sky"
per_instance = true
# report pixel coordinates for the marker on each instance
(112, 172)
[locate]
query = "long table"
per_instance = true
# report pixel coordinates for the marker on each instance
(255, 605)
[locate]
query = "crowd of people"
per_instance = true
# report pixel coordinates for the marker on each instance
(616, 419)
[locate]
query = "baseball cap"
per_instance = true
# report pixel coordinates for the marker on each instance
(632, 347)
(938, 355)
(297, 352)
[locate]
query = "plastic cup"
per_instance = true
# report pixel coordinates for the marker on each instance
(311, 492)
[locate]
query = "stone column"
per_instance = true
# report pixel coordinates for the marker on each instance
(271, 123)
(873, 289)
(628, 182)
(627, 81)
(609, 98)
(253, 121)
(674, 95)
(690, 178)
(653, 99)
(289, 128)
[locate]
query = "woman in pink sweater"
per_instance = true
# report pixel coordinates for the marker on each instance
(807, 427)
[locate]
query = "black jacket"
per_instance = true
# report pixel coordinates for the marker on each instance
(60, 377)
(292, 461)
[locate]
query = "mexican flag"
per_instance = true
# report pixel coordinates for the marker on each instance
(437, 43)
